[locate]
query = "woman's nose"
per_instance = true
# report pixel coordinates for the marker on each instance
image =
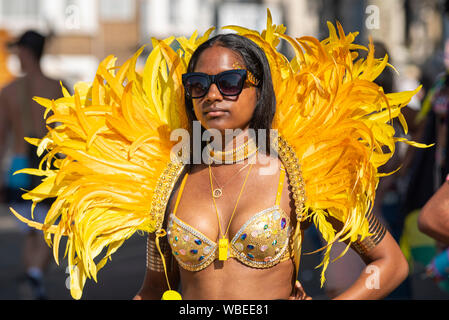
(213, 93)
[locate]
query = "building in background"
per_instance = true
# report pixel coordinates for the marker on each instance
(82, 32)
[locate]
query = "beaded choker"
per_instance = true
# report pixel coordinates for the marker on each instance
(236, 155)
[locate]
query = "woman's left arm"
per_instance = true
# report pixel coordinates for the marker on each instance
(386, 268)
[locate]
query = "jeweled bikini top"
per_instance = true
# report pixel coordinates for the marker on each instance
(262, 242)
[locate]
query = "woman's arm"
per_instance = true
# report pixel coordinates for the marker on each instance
(155, 283)
(434, 217)
(386, 266)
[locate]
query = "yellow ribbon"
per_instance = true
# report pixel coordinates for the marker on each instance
(169, 294)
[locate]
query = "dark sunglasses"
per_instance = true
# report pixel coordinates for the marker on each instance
(229, 83)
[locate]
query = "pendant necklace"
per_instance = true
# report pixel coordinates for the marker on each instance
(223, 243)
(218, 191)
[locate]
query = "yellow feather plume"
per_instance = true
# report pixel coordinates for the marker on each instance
(114, 135)
(338, 121)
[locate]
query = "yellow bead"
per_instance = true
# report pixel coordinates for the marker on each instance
(171, 295)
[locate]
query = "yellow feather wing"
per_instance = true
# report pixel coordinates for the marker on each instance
(338, 121)
(114, 135)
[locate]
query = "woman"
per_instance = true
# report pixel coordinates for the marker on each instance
(254, 106)
(233, 217)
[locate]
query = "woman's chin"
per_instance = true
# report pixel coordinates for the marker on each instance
(219, 123)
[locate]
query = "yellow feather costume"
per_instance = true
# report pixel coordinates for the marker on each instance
(116, 173)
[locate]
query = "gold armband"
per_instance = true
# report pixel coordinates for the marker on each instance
(153, 260)
(378, 232)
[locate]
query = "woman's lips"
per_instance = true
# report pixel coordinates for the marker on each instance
(213, 113)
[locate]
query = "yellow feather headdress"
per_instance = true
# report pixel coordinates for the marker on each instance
(114, 135)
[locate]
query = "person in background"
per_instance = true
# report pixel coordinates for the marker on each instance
(429, 166)
(21, 117)
(433, 219)
(428, 186)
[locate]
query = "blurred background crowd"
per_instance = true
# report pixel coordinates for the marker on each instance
(43, 42)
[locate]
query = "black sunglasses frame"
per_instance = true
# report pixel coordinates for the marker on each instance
(214, 79)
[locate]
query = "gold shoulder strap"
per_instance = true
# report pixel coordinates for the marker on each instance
(293, 169)
(280, 185)
(163, 190)
(181, 189)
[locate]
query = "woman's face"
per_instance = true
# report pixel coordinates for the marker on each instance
(215, 110)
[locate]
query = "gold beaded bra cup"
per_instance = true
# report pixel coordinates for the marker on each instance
(262, 242)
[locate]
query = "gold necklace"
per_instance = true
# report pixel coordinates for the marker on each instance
(223, 243)
(236, 155)
(218, 191)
